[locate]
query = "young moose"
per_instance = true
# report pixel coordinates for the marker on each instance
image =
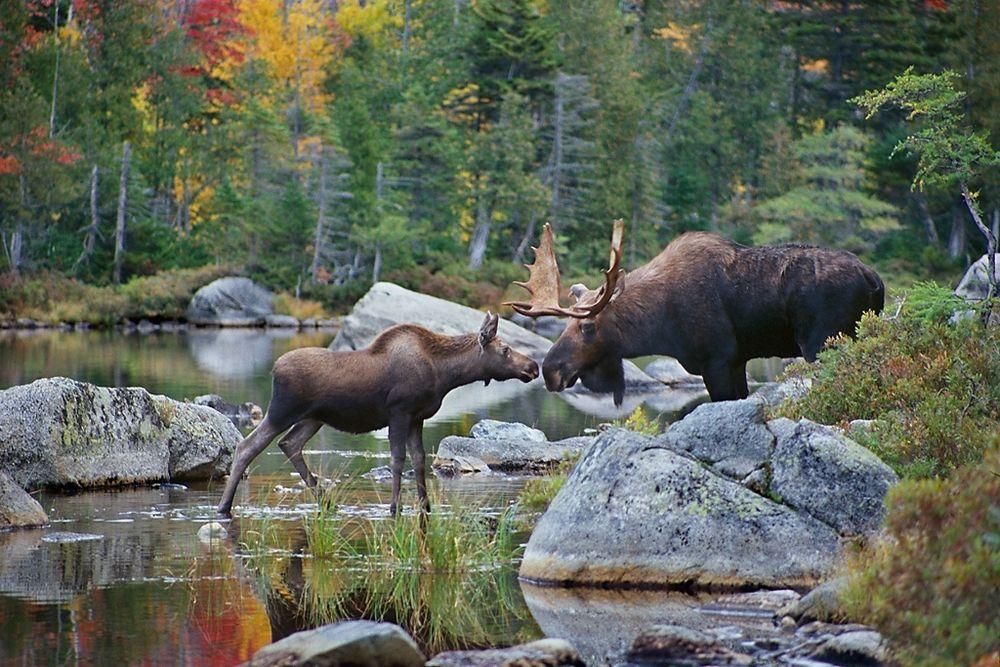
(399, 380)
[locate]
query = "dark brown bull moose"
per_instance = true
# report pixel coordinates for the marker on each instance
(711, 303)
(399, 380)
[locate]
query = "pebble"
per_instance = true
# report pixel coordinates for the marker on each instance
(212, 531)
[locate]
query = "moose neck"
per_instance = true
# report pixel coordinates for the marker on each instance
(636, 325)
(460, 365)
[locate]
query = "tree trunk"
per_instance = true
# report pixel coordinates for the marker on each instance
(377, 263)
(94, 229)
(925, 214)
(529, 234)
(480, 235)
(991, 241)
(55, 71)
(321, 214)
(956, 239)
(120, 219)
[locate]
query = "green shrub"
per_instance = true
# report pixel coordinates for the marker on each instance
(300, 309)
(640, 422)
(934, 387)
(166, 295)
(931, 587)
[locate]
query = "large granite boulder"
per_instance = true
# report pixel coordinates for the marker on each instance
(635, 512)
(723, 497)
(351, 643)
(505, 447)
(975, 283)
(819, 471)
(231, 302)
(60, 432)
(388, 304)
(17, 508)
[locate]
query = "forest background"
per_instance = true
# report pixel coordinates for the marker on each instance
(320, 145)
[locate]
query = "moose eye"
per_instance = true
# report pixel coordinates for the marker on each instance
(506, 351)
(587, 329)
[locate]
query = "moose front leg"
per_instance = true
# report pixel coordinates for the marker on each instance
(399, 431)
(415, 445)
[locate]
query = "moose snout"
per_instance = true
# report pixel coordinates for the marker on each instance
(530, 372)
(555, 379)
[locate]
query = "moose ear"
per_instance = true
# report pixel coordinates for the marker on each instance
(488, 330)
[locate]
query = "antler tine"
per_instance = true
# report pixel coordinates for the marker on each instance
(543, 281)
(611, 276)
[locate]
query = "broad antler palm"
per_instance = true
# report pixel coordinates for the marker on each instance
(543, 281)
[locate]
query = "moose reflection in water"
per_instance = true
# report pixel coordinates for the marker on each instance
(709, 302)
(399, 380)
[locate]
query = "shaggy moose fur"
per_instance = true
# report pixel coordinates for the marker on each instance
(399, 380)
(714, 304)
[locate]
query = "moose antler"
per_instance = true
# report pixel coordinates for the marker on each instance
(543, 281)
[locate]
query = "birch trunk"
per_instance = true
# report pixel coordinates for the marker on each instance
(120, 219)
(991, 241)
(93, 230)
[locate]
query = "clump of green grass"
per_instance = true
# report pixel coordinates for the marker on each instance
(931, 587)
(538, 492)
(300, 309)
(932, 386)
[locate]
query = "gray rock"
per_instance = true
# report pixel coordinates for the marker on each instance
(460, 465)
(281, 321)
(508, 455)
(60, 432)
(678, 645)
(636, 513)
(774, 394)
(549, 326)
(859, 647)
(17, 508)
(352, 643)
(541, 653)
(731, 436)
(974, 285)
(491, 429)
(244, 415)
(818, 470)
(670, 372)
(230, 302)
(822, 603)
(388, 304)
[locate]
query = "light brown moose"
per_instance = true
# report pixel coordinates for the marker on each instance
(399, 380)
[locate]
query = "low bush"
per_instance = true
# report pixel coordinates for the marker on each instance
(932, 386)
(300, 309)
(931, 586)
(166, 295)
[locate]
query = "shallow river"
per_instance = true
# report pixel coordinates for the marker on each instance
(144, 589)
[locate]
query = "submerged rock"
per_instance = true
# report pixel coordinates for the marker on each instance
(505, 447)
(60, 432)
(823, 603)
(351, 643)
(17, 508)
(541, 653)
(857, 647)
(231, 302)
(677, 645)
(212, 532)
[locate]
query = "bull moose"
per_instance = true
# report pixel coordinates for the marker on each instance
(711, 303)
(399, 380)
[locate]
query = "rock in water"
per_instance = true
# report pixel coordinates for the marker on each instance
(670, 372)
(504, 447)
(353, 643)
(17, 508)
(60, 432)
(387, 304)
(491, 429)
(231, 302)
(634, 512)
(677, 645)
(541, 653)
(213, 531)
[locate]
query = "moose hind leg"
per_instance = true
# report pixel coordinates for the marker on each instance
(399, 430)
(292, 445)
(719, 382)
(246, 451)
(415, 445)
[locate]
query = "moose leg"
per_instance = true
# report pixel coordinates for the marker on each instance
(719, 382)
(739, 380)
(399, 430)
(246, 451)
(292, 445)
(415, 445)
